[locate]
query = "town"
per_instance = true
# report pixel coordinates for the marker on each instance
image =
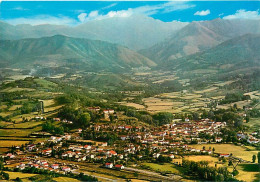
(133, 144)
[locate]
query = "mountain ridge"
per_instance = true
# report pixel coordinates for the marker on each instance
(59, 49)
(135, 32)
(199, 36)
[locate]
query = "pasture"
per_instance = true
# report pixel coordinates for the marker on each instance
(65, 179)
(10, 143)
(167, 167)
(237, 151)
(131, 104)
(247, 172)
(18, 132)
(29, 124)
(196, 158)
(14, 175)
(253, 124)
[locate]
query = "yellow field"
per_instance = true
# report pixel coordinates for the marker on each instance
(4, 114)
(157, 105)
(17, 89)
(18, 132)
(197, 158)
(48, 103)
(130, 104)
(52, 108)
(14, 175)
(3, 150)
(14, 107)
(165, 167)
(246, 172)
(25, 125)
(65, 179)
(10, 143)
(237, 151)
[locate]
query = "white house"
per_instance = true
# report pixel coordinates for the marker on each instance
(109, 165)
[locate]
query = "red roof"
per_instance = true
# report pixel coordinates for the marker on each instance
(112, 152)
(118, 165)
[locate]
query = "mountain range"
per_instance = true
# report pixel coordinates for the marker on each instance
(112, 44)
(239, 53)
(136, 32)
(60, 50)
(200, 36)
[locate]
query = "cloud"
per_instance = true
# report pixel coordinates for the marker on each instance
(144, 10)
(43, 19)
(243, 14)
(19, 8)
(202, 13)
(82, 17)
(109, 6)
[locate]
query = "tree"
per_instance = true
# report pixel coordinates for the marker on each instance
(213, 149)
(247, 119)
(6, 176)
(195, 116)
(163, 117)
(84, 119)
(254, 158)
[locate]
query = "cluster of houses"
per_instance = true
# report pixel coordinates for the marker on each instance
(46, 165)
(250, 138)
(167, 140)
(174, 134)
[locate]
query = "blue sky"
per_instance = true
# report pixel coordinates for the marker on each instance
(77, 12)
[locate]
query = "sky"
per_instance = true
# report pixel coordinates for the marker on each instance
(77, 12)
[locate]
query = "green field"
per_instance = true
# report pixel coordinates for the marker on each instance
(167, 167)
(253, 124)
(237, 151)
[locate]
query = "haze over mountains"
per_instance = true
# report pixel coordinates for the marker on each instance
(172, 45)
(136, 32)
(200, 36)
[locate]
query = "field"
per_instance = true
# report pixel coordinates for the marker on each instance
(65, 179)
(8, 143)
(131, 104)
(196, 158)
(167, 167)
(247, 172)
(237, 151)
(155, 104)
(18, 132)
(253, 124)
(175, 102)
(14, 175)
(29, 124)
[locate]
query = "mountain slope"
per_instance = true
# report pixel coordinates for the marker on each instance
(235, 54)
(200, 36)
(136, 32)
(61, 51)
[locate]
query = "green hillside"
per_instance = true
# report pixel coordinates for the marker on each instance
(66, 51)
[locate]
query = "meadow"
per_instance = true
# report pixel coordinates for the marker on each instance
(8, 143)
(14, 175)
(196, 158)
(237, 151)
